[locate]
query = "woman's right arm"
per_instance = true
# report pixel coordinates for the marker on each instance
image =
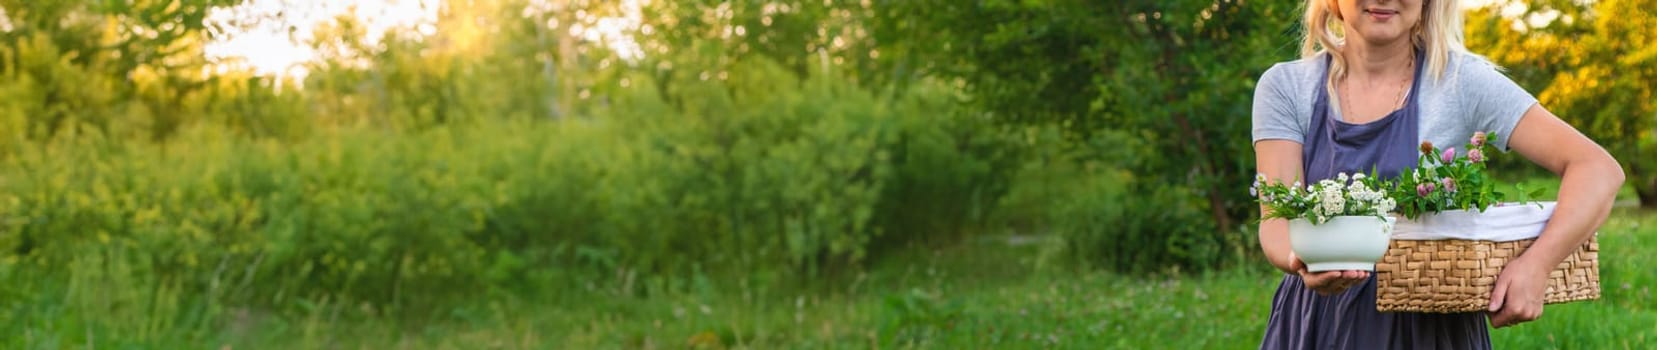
(1277, 155)
(1280, 161)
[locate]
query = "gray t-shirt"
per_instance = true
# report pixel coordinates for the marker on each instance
(1471, 96)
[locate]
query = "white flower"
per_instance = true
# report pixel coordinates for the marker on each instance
(1384, 205)
(1362, 195)
(1344, 194)
(1334, 202)
(1357, 187)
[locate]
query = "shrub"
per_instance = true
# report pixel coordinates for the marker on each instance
(765, 175)
(1097, 213)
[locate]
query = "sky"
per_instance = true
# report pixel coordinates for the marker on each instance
(5, 24)
(267, 47)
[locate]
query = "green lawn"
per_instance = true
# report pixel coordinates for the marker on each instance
(985, 294)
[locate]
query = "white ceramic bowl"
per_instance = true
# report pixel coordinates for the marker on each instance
(1342, 243)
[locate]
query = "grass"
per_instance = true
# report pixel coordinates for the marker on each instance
(1626, 314)
(987, 294)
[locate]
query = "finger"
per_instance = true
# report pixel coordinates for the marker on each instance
(1317, 279)
(1335, 280)
(1358, 275)
(1513, 315)
(1498, 296)
(1500, 319)
(1513, 318)
(1328, 285)
(1333, 285)
(1345, 283)
(1310, 280)
(1314, 283)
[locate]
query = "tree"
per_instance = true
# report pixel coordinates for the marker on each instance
(1177, 73)
(1592, 68)
(148, 51)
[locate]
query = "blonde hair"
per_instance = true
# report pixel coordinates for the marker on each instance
(1439, 33)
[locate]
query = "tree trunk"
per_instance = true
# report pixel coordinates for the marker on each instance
(549, 67)
(1209, 164)
(1646, 189)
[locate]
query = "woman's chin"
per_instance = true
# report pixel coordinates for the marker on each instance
(1383, 37)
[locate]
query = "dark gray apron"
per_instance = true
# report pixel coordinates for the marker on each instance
(1302, 319)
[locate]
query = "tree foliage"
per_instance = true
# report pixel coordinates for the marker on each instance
(139, 58)
(1589, 65)
(1176, 75)
(505, 148)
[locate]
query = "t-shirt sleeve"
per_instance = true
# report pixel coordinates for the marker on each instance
(1496, 102)
(1274, 112)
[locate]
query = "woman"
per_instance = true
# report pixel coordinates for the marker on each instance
(1363, 96)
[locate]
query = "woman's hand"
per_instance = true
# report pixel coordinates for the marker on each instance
(1519, 293)
(1328, 282)
(1588, 185)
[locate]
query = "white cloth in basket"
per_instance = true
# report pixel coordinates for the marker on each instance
(1508, 222)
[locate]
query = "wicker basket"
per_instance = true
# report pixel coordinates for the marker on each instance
(1448, 276)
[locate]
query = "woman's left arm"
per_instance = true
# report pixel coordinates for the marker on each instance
(1590, 178)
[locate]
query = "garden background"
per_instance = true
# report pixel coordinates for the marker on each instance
(705, 174)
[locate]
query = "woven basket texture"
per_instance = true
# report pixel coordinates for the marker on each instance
(1449, 276)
